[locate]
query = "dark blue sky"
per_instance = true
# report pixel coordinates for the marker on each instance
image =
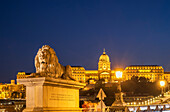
(132, 31)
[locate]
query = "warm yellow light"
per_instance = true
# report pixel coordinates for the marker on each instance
(86, 88)
(118, 74)
(162, 83)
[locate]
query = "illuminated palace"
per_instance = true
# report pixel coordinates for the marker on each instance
(152, 72)
(103, 72)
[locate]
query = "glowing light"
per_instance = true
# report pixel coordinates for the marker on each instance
(118, 74)
(162, 83)
(153, 107)
(86, 88)
(143, 108)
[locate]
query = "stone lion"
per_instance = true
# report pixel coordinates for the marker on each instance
(46, 64)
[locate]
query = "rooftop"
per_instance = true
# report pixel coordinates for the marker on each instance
(141, 65)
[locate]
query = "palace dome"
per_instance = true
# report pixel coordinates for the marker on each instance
(104, 57)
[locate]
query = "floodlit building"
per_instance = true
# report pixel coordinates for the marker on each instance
(12, 90)
(78, 73)
(167, 76)
(22, 75)
(152, 72)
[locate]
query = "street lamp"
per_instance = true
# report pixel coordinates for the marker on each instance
(119, 74)
(162, 84)
(119, 96)
(119, 77)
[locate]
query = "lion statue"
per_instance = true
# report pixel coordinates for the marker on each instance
(46, 64)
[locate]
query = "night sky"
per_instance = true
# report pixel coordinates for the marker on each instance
(131, 31)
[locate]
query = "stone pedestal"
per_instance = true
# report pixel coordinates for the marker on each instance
(51, 95)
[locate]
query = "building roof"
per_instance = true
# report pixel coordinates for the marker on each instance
(166, 72)
(91, 71)
(104, 57)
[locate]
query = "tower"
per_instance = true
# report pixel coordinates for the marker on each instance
(104, 66)
(104, 62)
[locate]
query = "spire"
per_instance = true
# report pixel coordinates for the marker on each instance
(104, 52)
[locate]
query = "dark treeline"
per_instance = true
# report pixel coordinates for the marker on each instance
(142, 85)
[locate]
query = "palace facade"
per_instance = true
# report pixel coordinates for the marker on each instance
(152, 72)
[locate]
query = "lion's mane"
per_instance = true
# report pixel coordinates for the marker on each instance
(51, 66)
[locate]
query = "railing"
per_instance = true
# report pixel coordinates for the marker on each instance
(156, 100)
(96, 109)
(130, 108)
(152, 104)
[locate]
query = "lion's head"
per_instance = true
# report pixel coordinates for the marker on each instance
(46, 60)
(46, 64)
